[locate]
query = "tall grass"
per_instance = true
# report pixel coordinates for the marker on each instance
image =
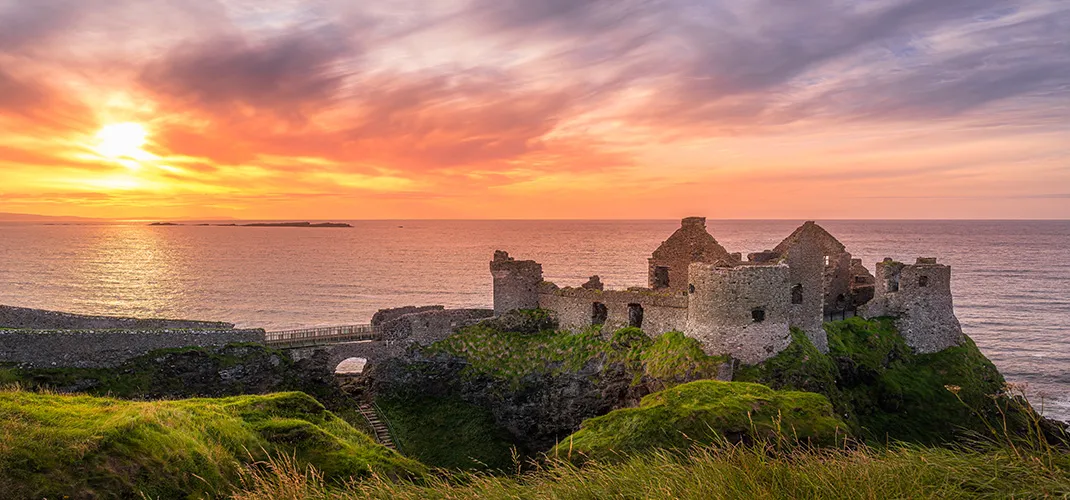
(999, 464)
(724, 472)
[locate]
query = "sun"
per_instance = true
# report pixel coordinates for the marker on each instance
(122, 141)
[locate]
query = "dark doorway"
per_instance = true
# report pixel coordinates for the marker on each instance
(661, 277)
(758, 315)
(599, 313)
(635, 315)
(796, 294)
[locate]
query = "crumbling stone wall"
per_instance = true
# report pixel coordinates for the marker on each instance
(690, 243)
(742, 311)
(39, 319)
(426, 325)
(106, 348)
(516, 283)
(806, 261)
(919, 296)
(662, 311)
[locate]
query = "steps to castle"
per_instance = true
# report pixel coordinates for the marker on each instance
(381, 430)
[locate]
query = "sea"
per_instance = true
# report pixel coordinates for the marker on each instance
(1011, 279)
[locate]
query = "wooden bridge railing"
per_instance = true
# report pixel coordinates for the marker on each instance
(319, 336)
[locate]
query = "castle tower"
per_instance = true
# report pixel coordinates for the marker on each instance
(742, 311)
(691, 243)
(919, 296)
(516, 283)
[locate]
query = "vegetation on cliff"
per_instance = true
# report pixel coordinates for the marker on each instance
(449, 433)
(85, 447)
(703, 413)
(888, 392)
(489, 351)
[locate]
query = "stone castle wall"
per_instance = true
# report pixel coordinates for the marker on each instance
(919, 296)
(426, 325)
(807, 272)
(23, 317)
(106, 348)
(662, 312)
(516, 283)
(723, 310)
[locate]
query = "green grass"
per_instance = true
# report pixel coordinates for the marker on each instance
(449, 433)
(724, 473)
(84, 446)
(702, 413)
(667, 360)
(888, 392)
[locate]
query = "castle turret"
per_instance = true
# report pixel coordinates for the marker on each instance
(516, 283)
(919, 296)
(742, 311)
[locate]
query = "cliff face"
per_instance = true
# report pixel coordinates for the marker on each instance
(541, 386)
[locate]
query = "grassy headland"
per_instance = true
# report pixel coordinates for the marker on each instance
(83, 446)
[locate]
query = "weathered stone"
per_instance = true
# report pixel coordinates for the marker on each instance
(106, 348)
(919, 297)
(691, 243)
(516, 283)
(39, 319)
(742, 311)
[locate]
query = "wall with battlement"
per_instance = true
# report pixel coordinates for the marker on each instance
(919, 296)
(22, 317)
(742, 311)
(106, 348)
(661, 311)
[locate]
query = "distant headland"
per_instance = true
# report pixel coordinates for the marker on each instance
(264, 224)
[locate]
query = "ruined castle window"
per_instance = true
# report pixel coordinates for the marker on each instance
(826, 260)
(599, 313)
(861, 280)
(758, 314)
(841, 301)
(635, 315)
(661, 277)
(923, 281)
(892, 284)
(691, 288)
(796, 294)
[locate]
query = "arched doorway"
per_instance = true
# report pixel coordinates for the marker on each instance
(351, 366)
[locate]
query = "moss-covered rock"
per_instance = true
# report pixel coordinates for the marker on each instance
(59, 446)
(706, 412)
(887, 391)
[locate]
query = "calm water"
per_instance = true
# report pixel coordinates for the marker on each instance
(1011, 279)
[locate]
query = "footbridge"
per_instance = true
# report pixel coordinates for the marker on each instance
(310, 337)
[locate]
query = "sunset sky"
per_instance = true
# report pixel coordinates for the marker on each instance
(340, 109)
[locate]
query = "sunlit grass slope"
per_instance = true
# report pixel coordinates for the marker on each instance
(82, 446)
(727, 473)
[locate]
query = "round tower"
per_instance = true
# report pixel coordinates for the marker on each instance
(742, 311)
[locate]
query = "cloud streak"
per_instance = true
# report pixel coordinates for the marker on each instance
(469, 102)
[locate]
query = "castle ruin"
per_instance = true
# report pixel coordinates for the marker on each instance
(745, 308)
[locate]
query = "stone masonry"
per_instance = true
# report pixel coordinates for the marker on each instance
(106, 348)
(516, 283)
(919, 296)
(744, 308)
(23, 317)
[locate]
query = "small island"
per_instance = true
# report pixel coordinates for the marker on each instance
(266, 224)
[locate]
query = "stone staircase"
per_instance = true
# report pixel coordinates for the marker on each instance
(382, 431)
